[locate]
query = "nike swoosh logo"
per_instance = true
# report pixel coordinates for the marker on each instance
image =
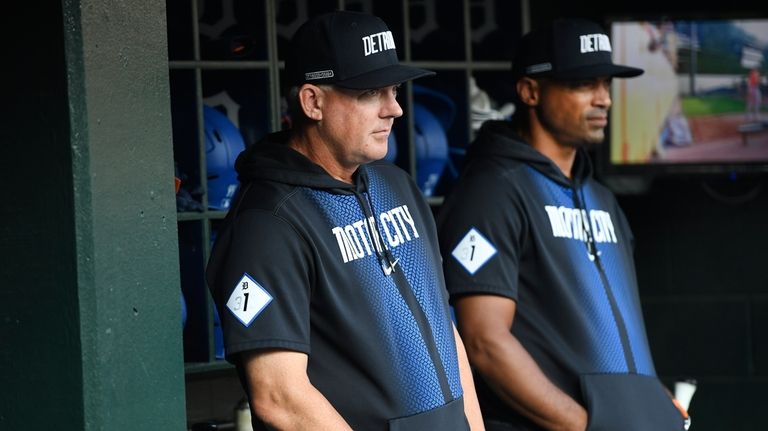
(391, 268)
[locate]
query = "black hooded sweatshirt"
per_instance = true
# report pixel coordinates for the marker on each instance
(349, 274)
(516, 226)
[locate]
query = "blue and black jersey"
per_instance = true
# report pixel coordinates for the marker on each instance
(562, 249)
(349, 274)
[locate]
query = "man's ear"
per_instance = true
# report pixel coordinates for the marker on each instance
(311, 101)
(528, 91)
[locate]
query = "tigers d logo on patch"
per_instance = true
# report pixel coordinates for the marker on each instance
(248, 299)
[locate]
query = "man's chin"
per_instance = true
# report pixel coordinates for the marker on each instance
(379, 149)
(594, 140)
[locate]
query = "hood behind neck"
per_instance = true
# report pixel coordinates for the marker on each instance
(498, 139)
(272, 159)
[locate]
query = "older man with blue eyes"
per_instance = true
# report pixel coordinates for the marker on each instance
(327, 272)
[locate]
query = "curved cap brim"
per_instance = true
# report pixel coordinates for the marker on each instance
(384, 77)
(597, 70)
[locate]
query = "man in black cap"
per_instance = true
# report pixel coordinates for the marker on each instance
(538, 255)
(326, 272)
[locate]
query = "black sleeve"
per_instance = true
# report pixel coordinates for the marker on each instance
(481, 229)
(263, 288)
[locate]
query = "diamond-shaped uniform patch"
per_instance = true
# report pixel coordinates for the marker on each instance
(473, 251)
(248, 300)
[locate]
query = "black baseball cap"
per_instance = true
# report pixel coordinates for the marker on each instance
(568, 49)
(349, 49)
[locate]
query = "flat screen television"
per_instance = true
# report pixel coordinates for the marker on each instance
(694, 109)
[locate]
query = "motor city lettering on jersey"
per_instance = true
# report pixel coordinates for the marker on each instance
(594, 42)
(356, 241)
(570, 223)
(378, 42)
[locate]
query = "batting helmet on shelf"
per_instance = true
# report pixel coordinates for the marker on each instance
(223, 143)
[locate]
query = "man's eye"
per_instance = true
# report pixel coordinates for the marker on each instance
(590, 83)
(371, 93)
(580, 84)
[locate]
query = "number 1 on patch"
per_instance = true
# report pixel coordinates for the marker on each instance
(248, 300)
